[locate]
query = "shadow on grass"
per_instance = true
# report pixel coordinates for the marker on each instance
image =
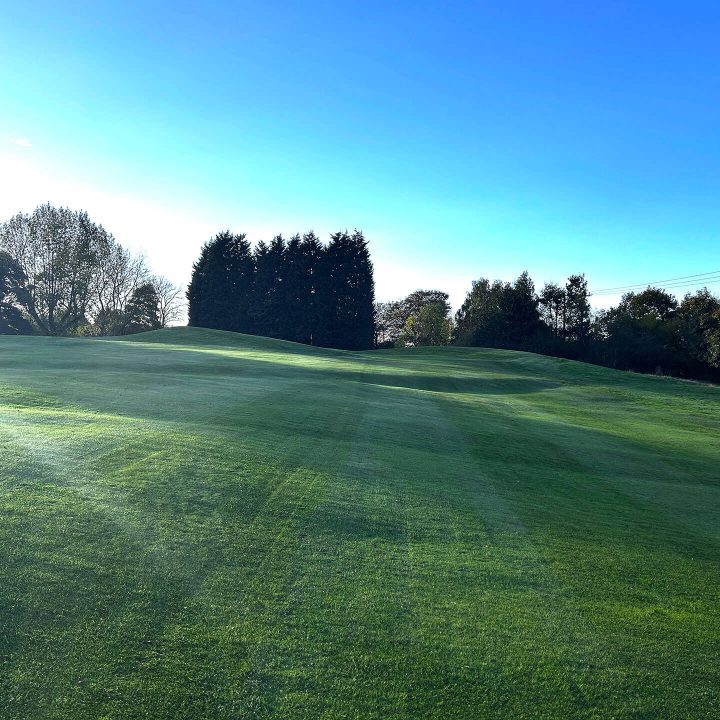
(462, 385)
(352, 523)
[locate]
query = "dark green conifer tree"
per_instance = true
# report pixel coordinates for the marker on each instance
(269, 299)
(312, 252)
(577, 309)
(12, 285)
(345, 292)
(300, 258)
(523, 316)
(142, 312)
(220, 292)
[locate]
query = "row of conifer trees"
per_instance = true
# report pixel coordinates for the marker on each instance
(299, 289)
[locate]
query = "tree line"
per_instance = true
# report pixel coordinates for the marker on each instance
(62, 274)
(299, 289)
(649, 331)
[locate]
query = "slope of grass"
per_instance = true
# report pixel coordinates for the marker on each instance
(196, 524)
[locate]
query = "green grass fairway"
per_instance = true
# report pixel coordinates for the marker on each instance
(196, 524)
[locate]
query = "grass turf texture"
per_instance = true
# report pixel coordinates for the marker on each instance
(196, 524)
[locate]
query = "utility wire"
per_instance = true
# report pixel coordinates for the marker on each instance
(668, 280)
(666, 286)
(700, 277)
(677, 286)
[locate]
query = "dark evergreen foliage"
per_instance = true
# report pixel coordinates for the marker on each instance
(12, 284)
(346, 294)
(296, 290)
(499, 314)
(646, 332)
(551, 304)
(301, 258)
(142, 312)
(270, 301)
(312, 251)
(577, 309)
(522, 309)
(221, 289)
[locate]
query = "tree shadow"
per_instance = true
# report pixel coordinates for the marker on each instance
(355, 523)
(479, 385)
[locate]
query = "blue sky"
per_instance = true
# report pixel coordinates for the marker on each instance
(466, 139)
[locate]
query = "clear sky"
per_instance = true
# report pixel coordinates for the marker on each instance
(466, 139)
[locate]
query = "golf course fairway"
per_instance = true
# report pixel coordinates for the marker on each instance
(198, 524)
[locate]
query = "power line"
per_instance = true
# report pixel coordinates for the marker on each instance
(699, 278)
(666, 286)
(696, 282)
(678, 286)
(665, 280)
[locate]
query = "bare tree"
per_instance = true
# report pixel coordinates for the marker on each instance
(59, 252)
(120, 274)
(171, 300)
(74, 277)
(389, 322)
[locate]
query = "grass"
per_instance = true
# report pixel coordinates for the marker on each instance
(196, 524)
